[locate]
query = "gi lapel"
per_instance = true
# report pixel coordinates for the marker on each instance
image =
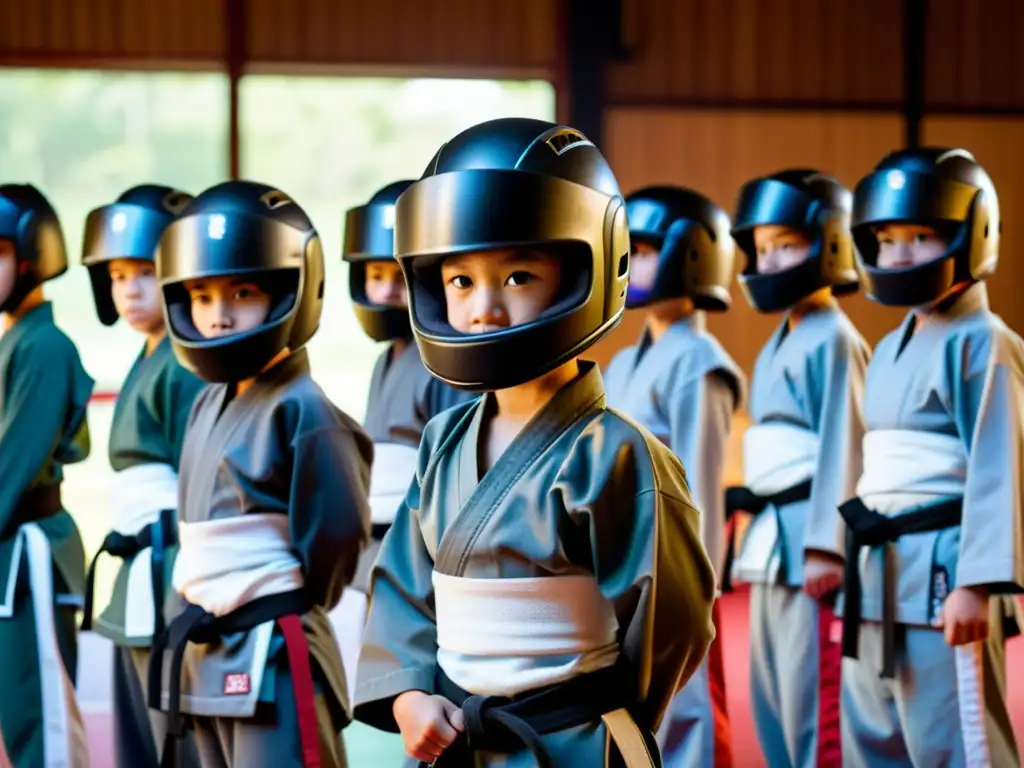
(567, 409)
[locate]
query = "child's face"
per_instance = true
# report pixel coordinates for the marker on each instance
(780, 248)
(643, 265)
(908, 245)
(490, 290)
(385, 284)
(224, 305)
(135, 292)
(8, 269)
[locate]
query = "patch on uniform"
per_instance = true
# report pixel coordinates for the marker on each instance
(835, 631)
(236, 684)
(939, 588)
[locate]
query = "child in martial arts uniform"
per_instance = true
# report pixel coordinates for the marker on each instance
(43, 400)
(273, 510)
(145, 445)
(682, 385)
(543, 588)
(403, 395)
(934, 534)
(801, 456)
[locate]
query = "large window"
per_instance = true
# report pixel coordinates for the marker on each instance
(83, 138)
(330, 143)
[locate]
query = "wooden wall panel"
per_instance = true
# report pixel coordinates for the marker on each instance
(69, 32)
(499, 34)
(761, 51)
(973, 56)
(998, 146)
(716, 153)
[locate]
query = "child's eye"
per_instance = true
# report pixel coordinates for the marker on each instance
(200, 298)
(461, 281)
(519, 278)
(922, 237)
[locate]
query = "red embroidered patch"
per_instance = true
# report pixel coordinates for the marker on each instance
(835, 634)
(236, 684)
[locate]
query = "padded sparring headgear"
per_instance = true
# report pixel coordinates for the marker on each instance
(515, 183)
(934, 186)
(802, 199)
(369, 236)
(28, 220)
(129, 228)
(242, 229)
(696, 249)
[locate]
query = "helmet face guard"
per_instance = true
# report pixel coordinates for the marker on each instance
(772, 202)
(696, 251)
(28, 220)
(118, 231)
(485, 210)
(369, 236)
(896, 196)
(238, 244)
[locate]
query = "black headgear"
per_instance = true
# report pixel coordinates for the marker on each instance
(28, 220)
(802, 199)
(246, 229)
(515, 183)
(369, 236)
(129, 228)
(696, 249)
(934, 186)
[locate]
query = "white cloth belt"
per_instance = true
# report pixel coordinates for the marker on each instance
(500, 637)
(906, 468)
(64, 739)
(777, 456)
(138, 495)
(394, 466)
(224, 564)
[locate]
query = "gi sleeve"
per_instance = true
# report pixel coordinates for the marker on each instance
(399, 649)
(650, 564)
(700, 412)
(988, 397)
(328, 508)
(837, 377)
(38, 391)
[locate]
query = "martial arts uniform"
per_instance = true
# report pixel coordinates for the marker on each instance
(44, 392)
(801, 456)
(272, 512)
(574, 560)
(146, 434)
(946, 431)
(273, 508)
(684, 388)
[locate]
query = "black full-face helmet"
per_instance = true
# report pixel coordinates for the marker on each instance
(814, 203)
(129, 228)
(252, 231)
(515, 183)
(29, 221)
(695, 247)
(369, 236)
(939, 187)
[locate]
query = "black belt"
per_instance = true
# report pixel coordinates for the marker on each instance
(741, 499)
(379, 529)
(506, 725)
(37, 503)
(195, 625)
(867, 528)
(158, 536)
